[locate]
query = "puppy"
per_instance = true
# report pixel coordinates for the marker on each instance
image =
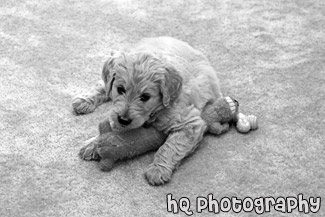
(163, 82)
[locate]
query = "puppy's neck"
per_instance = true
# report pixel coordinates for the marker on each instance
(169, 119)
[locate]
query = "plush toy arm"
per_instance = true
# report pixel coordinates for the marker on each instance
(218, 128)
(113, 146)
(104, 127)
(88, 151)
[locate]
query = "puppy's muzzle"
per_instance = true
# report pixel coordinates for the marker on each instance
(123, 121)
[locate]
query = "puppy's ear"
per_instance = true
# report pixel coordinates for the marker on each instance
(171, 86)
(108, 75)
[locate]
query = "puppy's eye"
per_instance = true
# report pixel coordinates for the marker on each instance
(120, 90)
(144, 97)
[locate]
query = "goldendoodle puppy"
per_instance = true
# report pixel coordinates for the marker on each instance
(163, 82)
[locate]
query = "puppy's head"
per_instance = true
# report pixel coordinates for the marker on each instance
(139, 85)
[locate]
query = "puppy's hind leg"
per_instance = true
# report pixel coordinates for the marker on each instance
(87, 103)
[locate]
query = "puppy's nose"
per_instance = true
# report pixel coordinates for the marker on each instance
(123, 120)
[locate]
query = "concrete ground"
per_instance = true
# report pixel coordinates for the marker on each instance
(270, 55)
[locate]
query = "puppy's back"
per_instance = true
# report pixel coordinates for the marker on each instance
(200, 81)
(170, 48)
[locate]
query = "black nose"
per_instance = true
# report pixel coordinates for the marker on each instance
(124, 121)
(236, 102)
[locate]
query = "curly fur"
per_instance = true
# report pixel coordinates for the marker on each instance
(180, 82)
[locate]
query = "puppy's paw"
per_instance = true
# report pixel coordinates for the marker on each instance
(157, 175)
(89, 151)
(82, 104)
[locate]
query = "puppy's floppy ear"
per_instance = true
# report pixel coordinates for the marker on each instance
(108, 75)
(170, 86)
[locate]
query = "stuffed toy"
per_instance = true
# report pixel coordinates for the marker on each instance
(220, 113)
(113, 146)
(246, 123)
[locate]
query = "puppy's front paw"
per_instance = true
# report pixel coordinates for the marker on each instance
(82, 104)
(89, 151)
(157, 175)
